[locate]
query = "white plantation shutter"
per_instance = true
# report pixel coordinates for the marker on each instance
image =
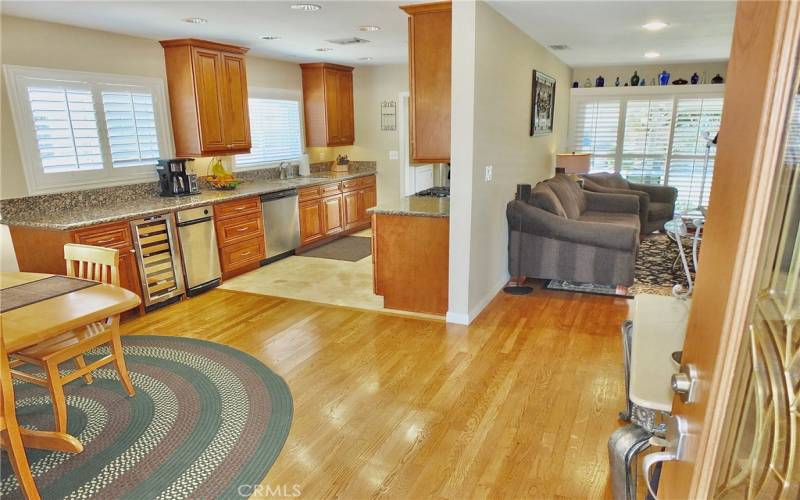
(595, 131)
(695, 119)
(64, 119)
(77, 129)
(274, 132)
(655, 137)
(131, 125)
(646, 140)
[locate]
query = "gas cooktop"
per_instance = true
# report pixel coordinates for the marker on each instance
(438, 192)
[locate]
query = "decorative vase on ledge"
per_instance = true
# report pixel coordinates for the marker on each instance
(635, 79)
(663, 78)
(600, 82)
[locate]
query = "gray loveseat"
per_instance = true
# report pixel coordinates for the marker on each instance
(656, 203)
(564, 232)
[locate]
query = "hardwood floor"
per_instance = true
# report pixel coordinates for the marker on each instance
(519, 404)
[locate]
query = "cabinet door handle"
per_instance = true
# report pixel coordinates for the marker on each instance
(242, 229)
(107, 240)
(246, 254)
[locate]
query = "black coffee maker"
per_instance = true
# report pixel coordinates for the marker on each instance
(173, 178)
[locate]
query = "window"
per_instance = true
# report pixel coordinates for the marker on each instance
(274, 129)
(651, 135)
(78, 129)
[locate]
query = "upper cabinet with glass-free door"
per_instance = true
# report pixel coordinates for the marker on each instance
(328, 104)
(429, 31)
(208, 97)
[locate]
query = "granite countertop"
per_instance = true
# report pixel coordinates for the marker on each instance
(421, 206)
(51, 213)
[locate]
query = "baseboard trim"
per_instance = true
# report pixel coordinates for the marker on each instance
(466, 319)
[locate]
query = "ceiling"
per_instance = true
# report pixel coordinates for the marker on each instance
(610, 32)
(597, 32)
(244, 23)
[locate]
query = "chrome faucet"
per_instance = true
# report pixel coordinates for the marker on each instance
(285, 166)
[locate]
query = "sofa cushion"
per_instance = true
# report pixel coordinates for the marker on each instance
(621, 219)
(615, 181)
(658, 211)
(569, 194)
(544, 197)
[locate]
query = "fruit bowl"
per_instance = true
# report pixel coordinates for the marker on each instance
(223, 184)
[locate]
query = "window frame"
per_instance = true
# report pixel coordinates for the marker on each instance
(279, 94)
(625, 94)
(38, 182)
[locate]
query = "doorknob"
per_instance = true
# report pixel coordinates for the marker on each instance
(684, 383)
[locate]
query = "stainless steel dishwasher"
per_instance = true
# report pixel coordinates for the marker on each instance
(281, 224)
(199, 248)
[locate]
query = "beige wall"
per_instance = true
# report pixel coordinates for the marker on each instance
(650, 71)
(30, 43)
(371, 86)
(504, 58)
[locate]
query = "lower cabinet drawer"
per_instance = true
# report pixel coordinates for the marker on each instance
(115, 235)
(243, 253)
(239, 229)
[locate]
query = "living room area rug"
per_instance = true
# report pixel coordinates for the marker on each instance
(206, 419)
(654, 273)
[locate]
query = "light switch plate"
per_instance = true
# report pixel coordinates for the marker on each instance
(394, 155)
(488, 173)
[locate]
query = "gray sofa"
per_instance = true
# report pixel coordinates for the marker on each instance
(564, 232)
(656, 203)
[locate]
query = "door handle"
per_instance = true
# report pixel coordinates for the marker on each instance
(684, 383)
(674, 443)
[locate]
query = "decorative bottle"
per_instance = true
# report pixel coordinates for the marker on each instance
(575, 84)
(587, 83)
(616, 82)
(695, 78)
(635, 79)
(663, 78)
(600, 82)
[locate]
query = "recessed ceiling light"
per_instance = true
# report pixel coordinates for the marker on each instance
(194, 20)
(324, 49)
(308, 7)
(655, 25)
(369, 28)
(364, 58)
(270, 37)
(652, 55)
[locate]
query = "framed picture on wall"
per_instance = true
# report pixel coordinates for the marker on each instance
(543, 105)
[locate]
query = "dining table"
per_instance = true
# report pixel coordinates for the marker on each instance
(27, 325)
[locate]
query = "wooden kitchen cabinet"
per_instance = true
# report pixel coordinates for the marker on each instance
(335, 209)
(208, 97)
(332, 219)
(240, 235)
(429, 32)
(328, 104)
(310, 222)
(42, 250)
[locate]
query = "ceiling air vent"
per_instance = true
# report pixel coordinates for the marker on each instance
(558, 46)
(348, 41)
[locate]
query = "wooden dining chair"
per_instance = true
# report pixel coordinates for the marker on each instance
(92, 263)
(10, 430)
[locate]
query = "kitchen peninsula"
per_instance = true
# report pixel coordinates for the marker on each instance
(410, 253)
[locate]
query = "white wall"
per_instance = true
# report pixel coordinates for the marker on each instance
(650, 71)
(497, 70)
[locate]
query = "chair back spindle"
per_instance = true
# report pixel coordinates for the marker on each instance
(92, 263)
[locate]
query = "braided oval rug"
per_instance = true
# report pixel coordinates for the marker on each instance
(205, 420)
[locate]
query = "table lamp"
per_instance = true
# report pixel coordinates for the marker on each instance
(573, 163)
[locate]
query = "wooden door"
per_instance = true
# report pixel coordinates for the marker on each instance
(208, 73)
(742, 434)
(353, 212)
(370, 197)
(234, 95)
(332, 219)
(310, 222)
(332, 106)
(429, 32)
(346, 120)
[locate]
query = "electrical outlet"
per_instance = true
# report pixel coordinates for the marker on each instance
(394, 155)
(488, 173)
